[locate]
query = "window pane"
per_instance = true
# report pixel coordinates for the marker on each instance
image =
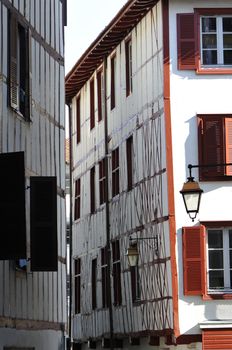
(227, 24)
(216, 259)
(228, 57)
(215, 238)
(209, 41)
(209, 57)
(208, 24)
(227, 41)
(216, 279)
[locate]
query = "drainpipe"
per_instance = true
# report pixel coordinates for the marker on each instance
(70, 223)
(107, 210)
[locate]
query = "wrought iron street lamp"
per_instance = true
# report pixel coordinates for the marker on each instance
(133, 253)
(192, 192)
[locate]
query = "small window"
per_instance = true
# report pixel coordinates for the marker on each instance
(78, 118)
(113, 75)
(219, 260)
(77, 285)
(104, 271)
(92, 105)
(92, 190)
(129, 159)
(135, 284)
(215, 144)
(116, 273)
(100, 94)
(102, 181)
(115, 172)
(77, 202)
(19, 68)
(94, 284)
(128, 58)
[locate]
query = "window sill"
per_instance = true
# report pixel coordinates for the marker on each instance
(217, 296)
(214, 70)
(215, 178)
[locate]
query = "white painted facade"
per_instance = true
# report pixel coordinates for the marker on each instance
(33, 304)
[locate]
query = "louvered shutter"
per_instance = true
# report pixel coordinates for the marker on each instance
(228, 132)
(186, 41)
(12, 206)
(194, 260)
(14, 83)
(43, 219)
(28, 75)
(213, 339)
(211, 146)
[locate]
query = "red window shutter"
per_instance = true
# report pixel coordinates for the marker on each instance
(217, 339)
(228, 133)
(186, 41)
(211, 145)
(194, 260)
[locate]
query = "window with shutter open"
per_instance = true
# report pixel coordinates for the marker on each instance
(43, 223)
(12, 206)
(194, 267)
(215, 146)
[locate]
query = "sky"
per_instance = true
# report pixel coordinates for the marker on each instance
(85, 20)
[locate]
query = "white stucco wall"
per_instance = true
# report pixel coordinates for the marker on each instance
(193, 94)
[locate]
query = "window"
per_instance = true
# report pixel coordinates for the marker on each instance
(215, 145)
(104, 271)
(113, 72)
(135, 283)
(77, 203)
(219, 259)
(94, 284)
(92, 105)
(102, 181)
(19, 68)
(116, 273)
(77, 285)
(209, 48)
(129, 159)
(78, 118)
(128, 54)
(99, 94)
(92, 190)
(207, 259)
(115, 172)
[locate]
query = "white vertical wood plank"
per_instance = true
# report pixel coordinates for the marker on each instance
(52, 20)
(16, 4)
(47, 21)
(27, 10)
(6, 290)
(32, 13)
(42, 18)
(37, 16)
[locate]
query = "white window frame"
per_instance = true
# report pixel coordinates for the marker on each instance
(226, 261)
(219, 34)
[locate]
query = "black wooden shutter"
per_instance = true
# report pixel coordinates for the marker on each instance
(186, 41)
(12, 206)
(14, 83)
(43, 217)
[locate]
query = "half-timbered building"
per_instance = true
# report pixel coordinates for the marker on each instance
(149, 96)
(32, 174)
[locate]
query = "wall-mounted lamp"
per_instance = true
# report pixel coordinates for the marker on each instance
(192, 192)
(133, 253)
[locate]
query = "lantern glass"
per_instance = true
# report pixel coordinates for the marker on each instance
(132, 255)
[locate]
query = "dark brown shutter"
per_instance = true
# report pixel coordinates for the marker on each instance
(92, 105)
(228, 133)
(43, 205)
(211, 146)
(186, 41)
(112, 83)
(99, 94)
(194, 260)
(12, 206)
(92, 190)
(213, 339)
(129, 157)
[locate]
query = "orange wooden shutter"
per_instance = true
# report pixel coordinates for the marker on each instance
(217, 339)
(186, 41)
(228, 133)
(194, 260)
(211, 145)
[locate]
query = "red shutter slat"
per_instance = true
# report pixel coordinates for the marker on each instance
(211, 146)
(186, 41)
(194, 260)
(217, 339)
(228, 129)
